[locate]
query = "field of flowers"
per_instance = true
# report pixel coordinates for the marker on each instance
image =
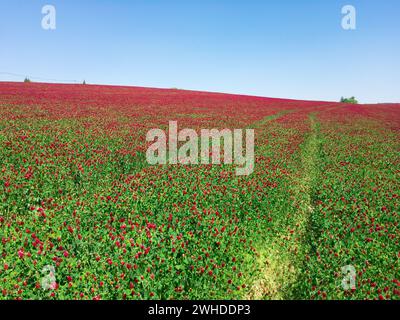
(80, 201)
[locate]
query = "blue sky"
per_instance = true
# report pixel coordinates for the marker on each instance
(275, 48)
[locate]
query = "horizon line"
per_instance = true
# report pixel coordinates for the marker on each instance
(76, 83)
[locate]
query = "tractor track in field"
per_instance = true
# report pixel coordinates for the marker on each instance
(310, 157)
(280, 268)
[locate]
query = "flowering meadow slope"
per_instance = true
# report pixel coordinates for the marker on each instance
(79, 198)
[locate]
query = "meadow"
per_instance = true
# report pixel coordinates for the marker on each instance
(78, 197)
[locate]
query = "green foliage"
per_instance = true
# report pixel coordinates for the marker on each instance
(351, 100)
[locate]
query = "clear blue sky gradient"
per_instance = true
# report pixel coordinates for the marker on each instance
(275, 48)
